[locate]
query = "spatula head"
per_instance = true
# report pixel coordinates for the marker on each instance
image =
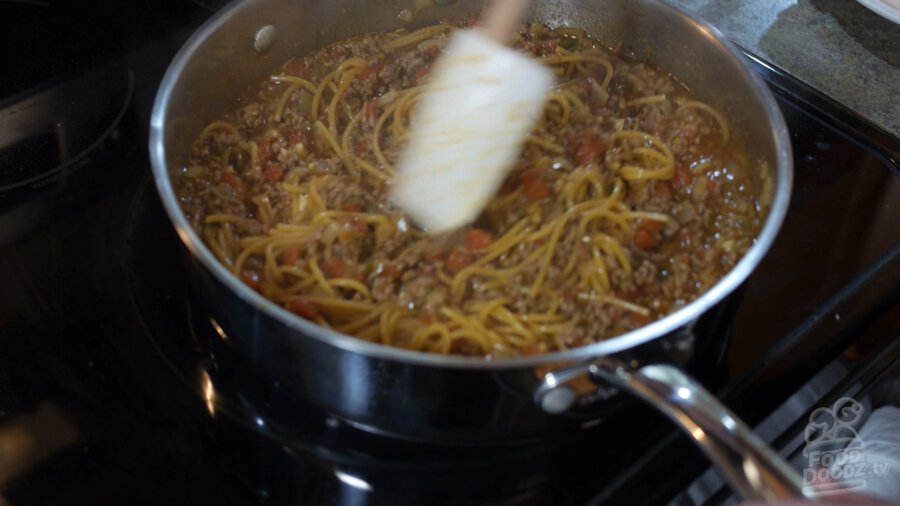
(469, 130)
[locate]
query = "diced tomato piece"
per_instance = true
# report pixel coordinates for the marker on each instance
(371, 111)
(391, 272)
(290, 256)
(587, 84)
(651, 289)
(274, 172)
(644, 239)
(590, 150)
(458, 260)
(236, 183)
(336, 268)
(233, 180)
(509, 185)
(652, 225)
(433, 256)
(628, 295)
(355, 229)
(689, 135)
(682, 176)
(366, 72)
(265, 153)
(647, 235)
(639, 320)
(548, 46)
(530, 349)
(690, 286)
(296, 67)
(422, 72)
(431, 52)
(663, 191)
(351, 207)
(298, 138)
(303, 308)
(371, 70)
(537, 190)
(533, 186)
(359, 227)
(251, 278)
(477, 239)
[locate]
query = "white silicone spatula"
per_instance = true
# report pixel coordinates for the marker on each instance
(471, 123)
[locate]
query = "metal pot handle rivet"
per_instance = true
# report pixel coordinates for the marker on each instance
(558, 400)
(264, 38)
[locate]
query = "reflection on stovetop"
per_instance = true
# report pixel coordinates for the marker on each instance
(113, 391)
(62, 110)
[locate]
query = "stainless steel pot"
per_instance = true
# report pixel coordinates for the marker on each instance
(459, 399)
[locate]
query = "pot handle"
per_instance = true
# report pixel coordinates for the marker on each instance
(748, 464)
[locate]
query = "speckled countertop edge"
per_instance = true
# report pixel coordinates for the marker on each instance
(838, 47)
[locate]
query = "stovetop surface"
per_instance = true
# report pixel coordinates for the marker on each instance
(103, 371)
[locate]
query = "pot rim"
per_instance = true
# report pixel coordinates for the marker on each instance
(682, 318)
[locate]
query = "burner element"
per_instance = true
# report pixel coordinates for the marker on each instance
(63, 93)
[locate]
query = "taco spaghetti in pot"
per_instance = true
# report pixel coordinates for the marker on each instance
(630, 200)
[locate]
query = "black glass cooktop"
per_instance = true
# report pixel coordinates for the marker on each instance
(107, 364)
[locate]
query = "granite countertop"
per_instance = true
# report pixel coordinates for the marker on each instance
(839, 47)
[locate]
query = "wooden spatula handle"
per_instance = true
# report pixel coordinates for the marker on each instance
(501, 17)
